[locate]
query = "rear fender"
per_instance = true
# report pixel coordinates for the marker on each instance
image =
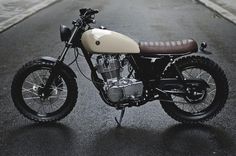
(64, 66)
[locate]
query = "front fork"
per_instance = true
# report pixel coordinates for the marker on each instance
(46, 91)
(55, 70)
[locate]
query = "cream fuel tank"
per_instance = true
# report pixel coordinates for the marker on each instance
(106, 41)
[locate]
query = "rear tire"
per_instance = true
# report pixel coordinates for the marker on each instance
(221, 90)
(29, 109)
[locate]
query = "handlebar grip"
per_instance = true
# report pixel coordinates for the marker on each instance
(92, 12)
(95, 11)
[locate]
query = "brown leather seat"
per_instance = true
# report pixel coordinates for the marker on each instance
(168, 47)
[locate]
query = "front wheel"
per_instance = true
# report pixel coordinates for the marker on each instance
(26, 91)
(200, 104)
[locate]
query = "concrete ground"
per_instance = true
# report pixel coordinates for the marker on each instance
(90, 128)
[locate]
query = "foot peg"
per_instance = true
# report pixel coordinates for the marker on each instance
(121, 117)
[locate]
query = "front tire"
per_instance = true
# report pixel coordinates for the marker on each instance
(28, 82)
(220, 90)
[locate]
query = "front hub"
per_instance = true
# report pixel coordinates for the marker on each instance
(44, 93)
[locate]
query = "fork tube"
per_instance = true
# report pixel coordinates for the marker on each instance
(62, 56)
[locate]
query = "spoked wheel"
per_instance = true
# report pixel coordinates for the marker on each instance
(196, 99)
(30, 100)
(199, 103)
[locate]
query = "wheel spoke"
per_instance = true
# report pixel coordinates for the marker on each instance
(204, 104)
(184, 73)
(183, 106)
(62, 98)
(212, 91)
(209, 78)
(51, 97)
(180, 102)
(187, 74)
(28, 90)
(212, 84)
(207, 100)
(40, 78)
(35, 79)
(39, 109)
(62, 89)
(191, 69)
(199, 75)
(31, 98)
(60, 84)
(193, 108)
(34, 84)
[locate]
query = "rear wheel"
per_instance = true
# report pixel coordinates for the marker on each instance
(198, 104)
(28, 97)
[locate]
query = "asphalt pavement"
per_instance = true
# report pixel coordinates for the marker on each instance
(90, 129)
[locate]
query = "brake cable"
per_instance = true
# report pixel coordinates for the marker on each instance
(76, 53)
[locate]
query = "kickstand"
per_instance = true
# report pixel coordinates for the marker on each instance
(121, 117)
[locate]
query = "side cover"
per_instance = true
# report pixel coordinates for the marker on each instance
(106, 41)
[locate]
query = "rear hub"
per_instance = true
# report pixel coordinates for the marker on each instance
(195, 94)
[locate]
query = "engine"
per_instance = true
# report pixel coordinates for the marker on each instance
(118, 88)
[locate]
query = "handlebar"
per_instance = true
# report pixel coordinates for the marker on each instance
(88, 12)
(86, 17)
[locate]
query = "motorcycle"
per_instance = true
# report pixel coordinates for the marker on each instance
(191, 88)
